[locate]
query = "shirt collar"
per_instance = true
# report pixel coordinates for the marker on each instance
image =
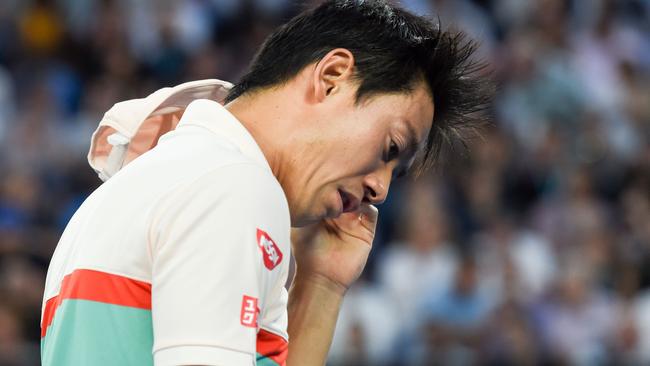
(217, 119)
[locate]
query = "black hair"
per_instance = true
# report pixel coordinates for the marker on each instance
(394, 50)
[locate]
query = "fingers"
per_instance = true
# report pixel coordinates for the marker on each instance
(368, 215)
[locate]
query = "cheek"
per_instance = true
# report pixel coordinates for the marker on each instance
(357, 159)
(348, 148)
(361, 153)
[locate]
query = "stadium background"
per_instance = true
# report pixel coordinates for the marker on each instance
(532, 248)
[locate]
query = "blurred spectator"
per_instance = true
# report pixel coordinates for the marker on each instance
(14, 349)
(454, 319)
(509, 337)
(640, 318)
(534, 248)
(41, 28)
(424, 262)
(367, 328)
(578, 322)
(515, 262)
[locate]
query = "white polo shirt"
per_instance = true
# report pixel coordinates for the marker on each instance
(180, 258)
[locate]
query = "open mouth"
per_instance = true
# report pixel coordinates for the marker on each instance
(350, 203)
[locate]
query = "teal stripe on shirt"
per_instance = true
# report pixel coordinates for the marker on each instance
(85, 332)
(265, 361)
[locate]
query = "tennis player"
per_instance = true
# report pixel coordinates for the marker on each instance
(181, 257)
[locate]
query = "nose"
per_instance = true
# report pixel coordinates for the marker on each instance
(376, 187)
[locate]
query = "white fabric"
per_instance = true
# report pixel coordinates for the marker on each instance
(140, 122)
(184, 218)
(197, 355)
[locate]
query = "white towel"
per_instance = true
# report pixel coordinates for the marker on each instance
(134, 126)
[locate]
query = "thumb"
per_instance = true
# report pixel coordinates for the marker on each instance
(368, 215)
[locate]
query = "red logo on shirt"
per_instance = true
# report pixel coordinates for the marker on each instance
(249, 312)
(270, 251)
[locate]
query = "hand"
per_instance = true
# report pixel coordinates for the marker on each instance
(335, 250)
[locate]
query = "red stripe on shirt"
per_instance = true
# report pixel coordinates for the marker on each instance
(272, 346)
(87, 284)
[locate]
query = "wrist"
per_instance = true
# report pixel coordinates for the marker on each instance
(313, 307)
(318, 282)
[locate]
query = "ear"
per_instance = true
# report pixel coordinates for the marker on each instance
(331, 72)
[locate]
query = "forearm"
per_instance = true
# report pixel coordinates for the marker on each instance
(313, 308)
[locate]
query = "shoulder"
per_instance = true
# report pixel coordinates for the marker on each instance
(240, 195)
(230, 201)
(245, 181)
(240, 185)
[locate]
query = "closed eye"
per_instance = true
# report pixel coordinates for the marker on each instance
(393, 151)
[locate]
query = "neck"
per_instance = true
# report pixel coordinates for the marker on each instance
(268, 118)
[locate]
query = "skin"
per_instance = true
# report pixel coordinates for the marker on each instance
(335, 160)
(317, 129)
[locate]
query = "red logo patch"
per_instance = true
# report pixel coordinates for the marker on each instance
(249, 312)
(270, 251)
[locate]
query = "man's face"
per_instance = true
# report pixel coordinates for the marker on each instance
(352, 152)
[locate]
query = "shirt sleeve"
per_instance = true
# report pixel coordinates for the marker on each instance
(207, 267)
(272, 339)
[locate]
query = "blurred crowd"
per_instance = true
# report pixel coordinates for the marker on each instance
(531, 247)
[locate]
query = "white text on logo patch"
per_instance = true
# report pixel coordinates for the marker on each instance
(270, 251)
(249, 311)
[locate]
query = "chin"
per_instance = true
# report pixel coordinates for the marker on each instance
(304, 220)
(310, 214)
